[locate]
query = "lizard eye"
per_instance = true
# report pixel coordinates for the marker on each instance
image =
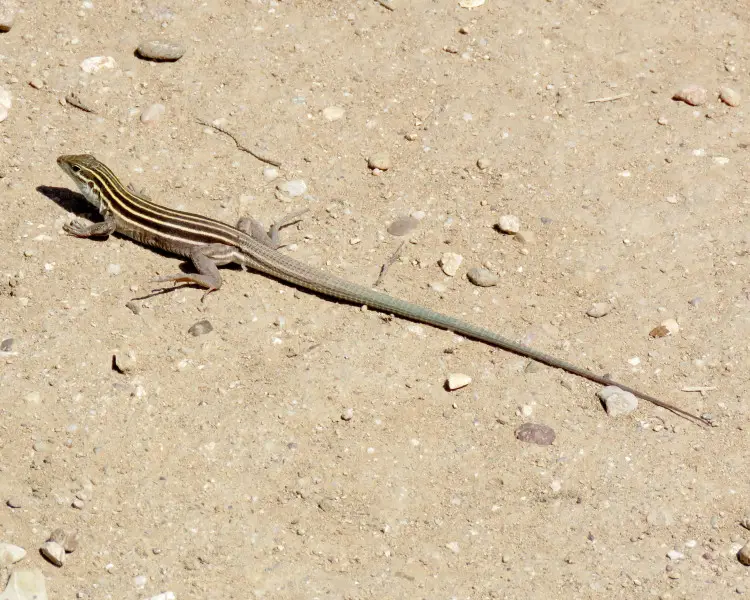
(75, 168)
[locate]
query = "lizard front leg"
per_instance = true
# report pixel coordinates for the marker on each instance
(78, 228)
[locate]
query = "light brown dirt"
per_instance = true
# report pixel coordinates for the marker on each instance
(221, 467)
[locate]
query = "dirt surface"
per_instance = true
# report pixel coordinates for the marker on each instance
(219, 466)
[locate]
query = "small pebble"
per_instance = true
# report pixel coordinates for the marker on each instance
(482, 277)
(8, 9)
(54, 553)
(270, 173)
(483, 163)
(94, 64)
(379, 160)
(745, 522)
(6, 102)
(403, 226)
(744, 555)
(124, 361)
(333, 113)
(599, 310)
(9, 554)
(25, 584)
(161, 51)
(133, 307)
(163, 596)
(456, 381)
(201, 328)
(347, 415)
(450, 262)
(33, 398)
(535, 433)
(668, 327)
(617, 402)
(14, 502)
(411, 136)
(662, 121)
(293, 188)
(509, 224)
(527, 238)
(152, 113)
(675, 555)
(68, 539)
(470, 3)
(36, 83)
(113, 269)
(453, 547)
(6, 345)
(729, 96)
(140, 581)
(694, 95)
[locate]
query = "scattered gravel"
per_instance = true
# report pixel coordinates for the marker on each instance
(160, 51)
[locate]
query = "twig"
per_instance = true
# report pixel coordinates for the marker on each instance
(253, 153)
(699, 388)
(385, 4)
(386, 265)
(608, 98)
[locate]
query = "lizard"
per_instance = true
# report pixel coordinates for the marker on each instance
(209, 244)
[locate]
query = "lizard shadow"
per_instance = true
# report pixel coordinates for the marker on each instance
(77, 204)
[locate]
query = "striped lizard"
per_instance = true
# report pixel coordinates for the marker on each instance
(209, 244)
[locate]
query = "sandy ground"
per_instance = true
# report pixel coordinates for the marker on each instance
(219, 466)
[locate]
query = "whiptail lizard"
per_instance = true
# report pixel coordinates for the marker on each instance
(209, 244)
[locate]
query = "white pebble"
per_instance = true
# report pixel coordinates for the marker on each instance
(729, 96)
(163, 596)
(293, 188)
(9, 554)
(333, 113)
(152, 113)
(453, 547)
(675, 555)
(8, 9)
(94, 64)
(140, 581)
(721, 160)
(54, 553)
(509, 224)
(450, 262)
(470, 3)
(694, 95)
(6, 101)
(380, 161)
(599, 310)
(113, 269)
(457, 380)
(270, 173)
(617, 402)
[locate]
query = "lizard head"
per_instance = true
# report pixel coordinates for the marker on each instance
(89, 174)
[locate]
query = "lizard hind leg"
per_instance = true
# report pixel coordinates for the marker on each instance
(269, 238)
(206, 260)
